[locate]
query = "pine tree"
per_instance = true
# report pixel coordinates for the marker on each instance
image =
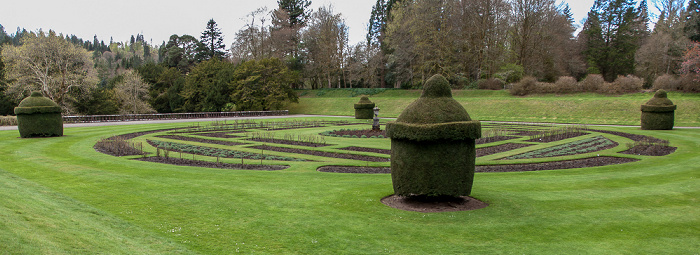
(213, 41)
(297, 10)
(614, 30)
(692, 20)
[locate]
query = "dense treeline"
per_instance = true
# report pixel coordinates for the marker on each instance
(530, 45)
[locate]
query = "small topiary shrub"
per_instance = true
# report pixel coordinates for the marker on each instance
(38, 116)
(433, 145)
(364, 109)
(658, 112)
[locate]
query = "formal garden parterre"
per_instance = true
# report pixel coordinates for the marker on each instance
(511, 147)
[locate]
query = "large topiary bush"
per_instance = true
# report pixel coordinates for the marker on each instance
(658, 113)
(39, 116)
(364, 109)
(433, 145)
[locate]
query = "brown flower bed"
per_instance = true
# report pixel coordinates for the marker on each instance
(288, 142)
(568, 164)
(198, 163)
(557, 137)
(200, 140)
(365, 149)
(322, 153)
(360, 133)
(650, 150)
(480, 152)
(494, 139)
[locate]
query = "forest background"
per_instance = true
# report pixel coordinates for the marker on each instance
(527, 46)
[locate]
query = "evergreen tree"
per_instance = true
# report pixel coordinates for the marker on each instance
(297, 10)
(692, 20)
(614, 32)
(213, 41)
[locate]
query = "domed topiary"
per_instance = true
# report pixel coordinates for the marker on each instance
(433, 148)
(658, 113)
(39, 116)
(364, 109)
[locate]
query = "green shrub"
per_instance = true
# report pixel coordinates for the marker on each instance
(364, 109)
(658, 112)
(491, 84)
(39, 116)
(510, 73)
(433, 145)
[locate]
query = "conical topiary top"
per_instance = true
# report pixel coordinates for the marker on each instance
(364, 103)
(660, 98)
(434, 116)
(435, 105)
(37, 103)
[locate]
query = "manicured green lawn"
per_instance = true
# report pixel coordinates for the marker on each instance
(585, 108)
(60, 196)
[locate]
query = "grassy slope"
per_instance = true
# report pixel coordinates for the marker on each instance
(138, 207)
(501, 106)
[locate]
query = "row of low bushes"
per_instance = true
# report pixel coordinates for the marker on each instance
(595, 83)
(8, 121)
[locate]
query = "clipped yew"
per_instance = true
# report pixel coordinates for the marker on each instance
(38, 116)
(658, 113)
(364, 109)
(433, 148)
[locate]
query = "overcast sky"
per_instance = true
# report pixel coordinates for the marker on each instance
(157, 20)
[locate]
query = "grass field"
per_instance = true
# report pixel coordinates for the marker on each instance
(59, 196)
(585, 108)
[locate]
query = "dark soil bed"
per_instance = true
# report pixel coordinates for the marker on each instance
(431, 205)
(480, 152)
(633, 137)
(322, 153)
(355, 169)
(568, 164)
(218, 134)
(365, 149)
(558, 137)
(118, 148)
(198, 163)
(200, 140)
(650, 150)
(288, 142)
(360, 133)
(494, 139)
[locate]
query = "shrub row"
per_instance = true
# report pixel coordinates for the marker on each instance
(592, 83)
(685, 83)
(8, 121)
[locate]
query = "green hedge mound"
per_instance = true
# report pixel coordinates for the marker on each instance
(38, 116)
(433, 145)
(658, 113)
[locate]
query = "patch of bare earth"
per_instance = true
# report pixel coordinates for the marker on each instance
(289, 142)
(200, 140)
(365, 149)
(199, 163)
(433, 204)
(480, 152)
(650, 150)
(322, 153)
